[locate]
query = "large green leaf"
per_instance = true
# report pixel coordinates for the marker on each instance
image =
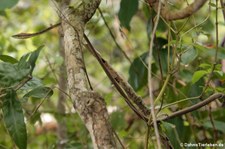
(138, 72)
(7, 4)
(198, 75)
(10, 74)
(218, 125)
(40, 92)
(33, 83)
(171, 133)
(29, 59)
(14, 119)
(128, 8)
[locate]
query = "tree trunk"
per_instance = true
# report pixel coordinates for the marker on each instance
(88, 104)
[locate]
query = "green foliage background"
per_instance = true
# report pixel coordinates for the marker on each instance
(195, 48)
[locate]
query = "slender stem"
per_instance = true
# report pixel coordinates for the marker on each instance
(147, 137)
(217, 33)
(163, 88)
(180, 101)
(194, 107)
(216, 53)
(150, 82)
(23, 82)
(113, 37)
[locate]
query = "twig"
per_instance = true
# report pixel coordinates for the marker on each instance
(150, 82)
(113, 37)
(163, 88)
(216, 52)
(194, 107)
(24, 81)
(39, 105)
(29, 35)
(215, 135)
(118, 138)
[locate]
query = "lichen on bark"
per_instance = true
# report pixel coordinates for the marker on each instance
(89, 105)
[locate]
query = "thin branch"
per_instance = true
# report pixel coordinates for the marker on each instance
(216, 52)
(23, 82)
(29, 35)
(119, 83)
(113, 37)
(150, 81)
(163, 88)
(194, 107)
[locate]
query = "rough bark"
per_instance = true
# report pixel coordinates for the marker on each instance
(89, 105)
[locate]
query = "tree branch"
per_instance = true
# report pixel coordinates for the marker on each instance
(178, 14)
(90, 106)
(194, 107)
(89, 8)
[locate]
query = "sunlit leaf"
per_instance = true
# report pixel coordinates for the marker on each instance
(8, 59)
(205, 66)
(198, 75)
(14, 119)
(128, 8)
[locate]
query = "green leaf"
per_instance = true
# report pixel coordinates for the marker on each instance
(171, 133)
(198, 75)
(128, 8)
(23, 62)
(218, 125)
(40, 92)
(160, 54)
(205, 66)
(189, 55)
(10, 74)
(33, 57)
(138, 72)
(9, 59)
(14, 119)
(7, 4)
(33, 83)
